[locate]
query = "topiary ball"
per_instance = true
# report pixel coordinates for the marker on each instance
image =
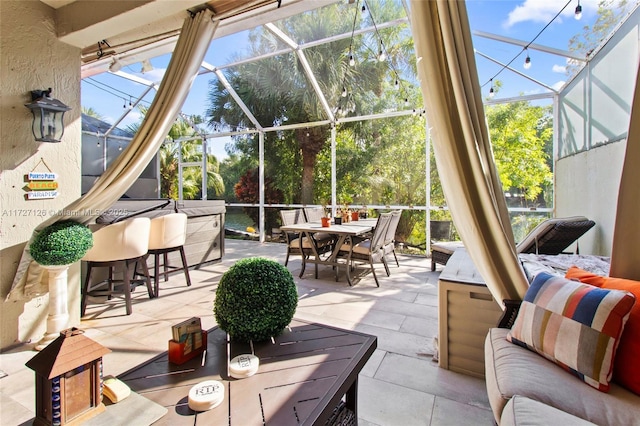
(61, 243)
(255, 300)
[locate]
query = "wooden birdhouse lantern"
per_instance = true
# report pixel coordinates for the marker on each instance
(68, 379)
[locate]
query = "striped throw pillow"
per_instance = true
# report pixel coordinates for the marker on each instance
(575, 325)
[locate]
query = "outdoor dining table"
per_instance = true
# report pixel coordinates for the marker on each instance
(342, 232)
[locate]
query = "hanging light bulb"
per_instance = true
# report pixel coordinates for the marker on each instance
(364, 9)
(492, 92)
(578, 13)
(98, 144)
(527, 62)
(396, 84)
(406, 101)
(339, 109)
(344, 92)
(352, 61)
(119, 147)
(381, 55)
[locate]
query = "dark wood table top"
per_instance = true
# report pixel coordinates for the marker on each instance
(301, 379)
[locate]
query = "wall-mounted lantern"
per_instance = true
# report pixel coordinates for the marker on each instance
(47, 116)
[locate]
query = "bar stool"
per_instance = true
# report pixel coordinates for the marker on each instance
(119, 245)
(168, 234)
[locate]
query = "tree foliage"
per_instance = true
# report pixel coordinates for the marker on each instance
(277, 91)
(521, 136)
(172, 152)
(610, 13)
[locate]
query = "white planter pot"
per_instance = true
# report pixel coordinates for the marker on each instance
(58, 318)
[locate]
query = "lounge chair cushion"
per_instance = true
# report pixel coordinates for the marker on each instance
(575, 325)
(513, 370)
(447, 247)
(626, 369)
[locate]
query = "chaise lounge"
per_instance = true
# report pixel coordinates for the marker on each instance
(551, 236)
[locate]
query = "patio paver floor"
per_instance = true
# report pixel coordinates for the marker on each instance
(400, 385)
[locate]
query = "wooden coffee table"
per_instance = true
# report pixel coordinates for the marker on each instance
(301, 380)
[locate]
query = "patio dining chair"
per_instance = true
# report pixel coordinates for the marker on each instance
(306, 247)
(390, 235)
(314, 214)
(369, 251)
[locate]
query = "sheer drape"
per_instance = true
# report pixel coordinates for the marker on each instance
(624, 257)
(187, 57)
(447, 70)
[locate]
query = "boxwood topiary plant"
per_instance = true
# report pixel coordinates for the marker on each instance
(256, 299)
(61, 243)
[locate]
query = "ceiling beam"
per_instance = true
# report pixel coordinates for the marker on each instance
(83, 22)
(532, 46)
(513, 70)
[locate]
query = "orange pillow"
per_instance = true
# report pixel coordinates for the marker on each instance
(626, 371)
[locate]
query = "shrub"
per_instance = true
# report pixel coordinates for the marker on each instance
(255, 300)
(61, 243)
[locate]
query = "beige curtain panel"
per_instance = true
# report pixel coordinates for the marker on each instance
(187, 57)
(626, 235)
(451, 92)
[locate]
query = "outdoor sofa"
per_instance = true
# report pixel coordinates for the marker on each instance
(524, 387)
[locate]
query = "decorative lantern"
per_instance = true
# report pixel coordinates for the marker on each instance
(68, 379)
(47, 116)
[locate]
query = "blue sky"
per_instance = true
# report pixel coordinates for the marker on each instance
(521, 20)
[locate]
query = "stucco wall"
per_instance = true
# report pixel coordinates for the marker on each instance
(587, 185)
(32, 58)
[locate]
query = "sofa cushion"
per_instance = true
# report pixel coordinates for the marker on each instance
(575, 325)
(626, 368)
(522, 411)
(512, 370)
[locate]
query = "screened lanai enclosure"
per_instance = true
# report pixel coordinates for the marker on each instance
(324, 107)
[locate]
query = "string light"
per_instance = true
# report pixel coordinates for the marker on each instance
(344, 92)
(492, 91)
(381, 55)
(352, 61)
(578, 13)
(527, 61)
(525, 48)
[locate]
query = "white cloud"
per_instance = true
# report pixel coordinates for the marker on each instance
(558, 85)
(559, 69)
(544, 10)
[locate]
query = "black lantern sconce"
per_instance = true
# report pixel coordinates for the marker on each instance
(47, 116)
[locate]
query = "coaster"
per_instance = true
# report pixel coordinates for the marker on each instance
(206, 395)
(244, 366)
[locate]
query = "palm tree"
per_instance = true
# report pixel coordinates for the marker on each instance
(277, 91)
(190, 152)
(92, 113)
